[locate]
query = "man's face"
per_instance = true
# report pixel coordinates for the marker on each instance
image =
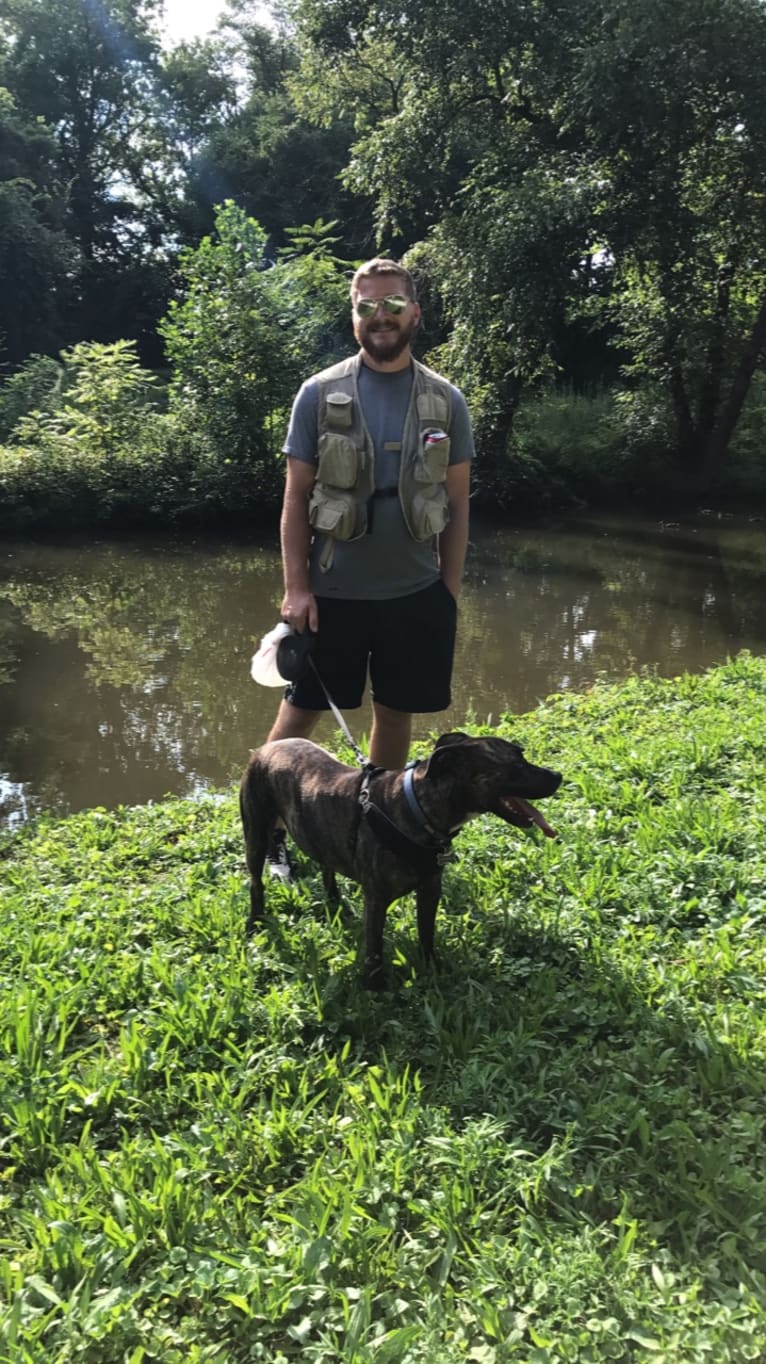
(383, 336)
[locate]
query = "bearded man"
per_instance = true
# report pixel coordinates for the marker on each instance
(374, 527)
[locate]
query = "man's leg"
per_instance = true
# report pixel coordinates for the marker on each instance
(390, 737)
(410, 667)
(293, 722)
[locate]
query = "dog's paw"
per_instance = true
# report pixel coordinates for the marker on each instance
(374, 975)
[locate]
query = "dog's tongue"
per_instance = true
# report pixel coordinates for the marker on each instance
(529, 810)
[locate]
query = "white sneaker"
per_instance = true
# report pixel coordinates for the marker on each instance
(278, 860)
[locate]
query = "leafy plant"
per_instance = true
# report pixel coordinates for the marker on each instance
(246, 334)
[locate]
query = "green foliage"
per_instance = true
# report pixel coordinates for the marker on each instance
(549, 179)
(85, 73)
(610, 448)
(36, 260)
(549, 1152)
(105, 404)
(565, 448)
(36, 386)
(258, 149)
(247, 332)
(96, 449)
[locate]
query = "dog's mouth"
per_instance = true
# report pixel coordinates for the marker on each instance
(523, 814)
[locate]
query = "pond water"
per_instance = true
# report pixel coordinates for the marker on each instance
(124, 666)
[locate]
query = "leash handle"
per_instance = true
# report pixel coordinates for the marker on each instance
(365, 762)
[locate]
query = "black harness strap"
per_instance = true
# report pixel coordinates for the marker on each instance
(422, 857)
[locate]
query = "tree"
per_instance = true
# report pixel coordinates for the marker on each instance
(257, 148)
(86, 68)
(246, 333)
(582, 161)
(36, 259)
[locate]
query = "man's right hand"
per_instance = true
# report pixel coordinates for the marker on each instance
(299, 609)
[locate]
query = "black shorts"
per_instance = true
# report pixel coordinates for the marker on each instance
(408, 644)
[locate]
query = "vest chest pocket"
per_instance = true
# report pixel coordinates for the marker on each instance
(433, 461)
(339, 409)
(338, 463)
(335, 513)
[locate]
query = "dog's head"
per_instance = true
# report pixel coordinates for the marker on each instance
(492, 776)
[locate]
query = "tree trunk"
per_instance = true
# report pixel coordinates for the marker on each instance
(718, 443)
(687, 435)
(711, 392)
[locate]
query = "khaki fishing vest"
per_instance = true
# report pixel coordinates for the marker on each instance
(345, 481)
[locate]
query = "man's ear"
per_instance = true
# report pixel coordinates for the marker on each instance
(446, 753)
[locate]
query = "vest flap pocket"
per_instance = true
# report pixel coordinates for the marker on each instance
(339, 409)
(338, 463)
(334, 512)
(430, 512)
(432, 407)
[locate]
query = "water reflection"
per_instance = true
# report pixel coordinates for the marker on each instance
(124, 667)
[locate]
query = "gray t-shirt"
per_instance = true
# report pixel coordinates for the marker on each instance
(386, 562)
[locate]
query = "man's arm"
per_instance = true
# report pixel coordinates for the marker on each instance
(453, 540)
(299, 605)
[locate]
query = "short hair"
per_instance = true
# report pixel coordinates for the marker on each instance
(381, 265)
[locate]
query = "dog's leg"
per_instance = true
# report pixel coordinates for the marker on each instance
(374, 976)
(330, 888)
(256, 856)
(257, 832)
(427, 899)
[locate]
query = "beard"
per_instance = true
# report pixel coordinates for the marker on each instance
(385, 343)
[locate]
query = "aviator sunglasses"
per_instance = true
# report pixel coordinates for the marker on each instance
(393, 304)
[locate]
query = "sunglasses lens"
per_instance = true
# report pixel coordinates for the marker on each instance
(392, 304)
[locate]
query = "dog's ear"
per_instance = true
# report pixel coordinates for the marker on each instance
(446, 752)
(456, 736)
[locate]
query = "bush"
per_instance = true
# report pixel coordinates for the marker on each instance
(610, 448)
(37, 385)
(744, 475)
(565, 449)
(171, 475)
(248, 332)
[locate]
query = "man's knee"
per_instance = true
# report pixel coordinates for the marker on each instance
(293, 722)
(398, 721)
(390, 739)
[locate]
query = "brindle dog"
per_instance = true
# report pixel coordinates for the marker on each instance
(319, 800)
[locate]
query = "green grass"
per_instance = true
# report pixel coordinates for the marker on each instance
(553, 1151)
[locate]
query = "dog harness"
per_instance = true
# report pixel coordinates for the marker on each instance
(423, 857)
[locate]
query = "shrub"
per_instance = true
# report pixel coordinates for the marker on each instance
(105, 405)
(247, 332)
(37, 385)
(565, 448)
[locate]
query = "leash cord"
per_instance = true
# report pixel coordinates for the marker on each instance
(391, 836)
(365, 762)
